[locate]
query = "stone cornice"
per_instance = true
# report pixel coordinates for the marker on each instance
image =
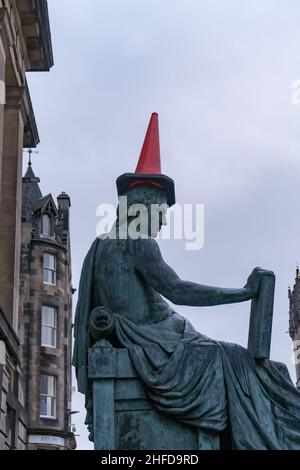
(34, 19)
(29, 26)
(31, 135)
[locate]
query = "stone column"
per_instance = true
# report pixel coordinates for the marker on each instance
(10, 204)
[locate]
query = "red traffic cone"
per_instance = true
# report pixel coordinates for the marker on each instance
(149, 161)
(148, 170)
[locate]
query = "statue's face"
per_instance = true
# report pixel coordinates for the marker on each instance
(147, 204)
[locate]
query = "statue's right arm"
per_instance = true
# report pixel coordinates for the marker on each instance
(151, 265)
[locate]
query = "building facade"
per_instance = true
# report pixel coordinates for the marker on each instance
(46, 316)
(25, 45)
(35, 263)
(294, 323)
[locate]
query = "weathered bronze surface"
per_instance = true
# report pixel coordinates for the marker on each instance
(206, 384)
(151, 380)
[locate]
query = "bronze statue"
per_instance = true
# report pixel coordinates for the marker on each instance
(198, 381)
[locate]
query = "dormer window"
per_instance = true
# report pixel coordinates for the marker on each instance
(46, 225)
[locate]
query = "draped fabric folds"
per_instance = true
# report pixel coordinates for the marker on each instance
(210, 384)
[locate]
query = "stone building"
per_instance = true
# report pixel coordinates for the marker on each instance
(25, 45)
(46, 316)
(294, 324)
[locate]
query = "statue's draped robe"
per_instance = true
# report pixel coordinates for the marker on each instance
(197, 380)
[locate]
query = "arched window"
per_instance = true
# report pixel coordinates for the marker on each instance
(46, 225)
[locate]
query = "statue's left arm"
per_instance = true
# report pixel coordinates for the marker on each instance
(162, 278)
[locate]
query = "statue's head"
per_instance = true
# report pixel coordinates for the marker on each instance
(146, 209)
(148, 188)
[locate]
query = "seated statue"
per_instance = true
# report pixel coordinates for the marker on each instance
(199, 381)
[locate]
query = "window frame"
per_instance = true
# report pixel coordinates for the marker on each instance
(44, 325)
(54, 397)
(53, 271)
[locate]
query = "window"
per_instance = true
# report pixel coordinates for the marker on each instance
(48, 396)
(46, 225)
(49, 326)
(49, 275)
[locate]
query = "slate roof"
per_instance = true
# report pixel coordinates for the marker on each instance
(41, 203)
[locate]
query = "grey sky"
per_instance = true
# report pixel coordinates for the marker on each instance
(219, 74)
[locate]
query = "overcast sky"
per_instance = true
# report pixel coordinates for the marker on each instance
(219, 73)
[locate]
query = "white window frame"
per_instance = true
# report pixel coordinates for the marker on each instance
(51, 327)
(51, 397)
(53, 271)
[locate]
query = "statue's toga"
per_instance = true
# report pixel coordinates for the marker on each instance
(199, 381)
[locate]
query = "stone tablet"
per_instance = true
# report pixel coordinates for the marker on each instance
(261, 319)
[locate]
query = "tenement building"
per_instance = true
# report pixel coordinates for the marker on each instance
(294, 327)
(46, 316)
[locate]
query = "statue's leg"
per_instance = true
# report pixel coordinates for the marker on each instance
(208, 439)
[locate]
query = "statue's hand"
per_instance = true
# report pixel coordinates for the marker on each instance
(253, 281)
